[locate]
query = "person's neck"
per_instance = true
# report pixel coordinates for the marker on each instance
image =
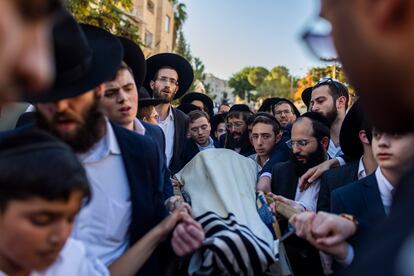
(205, 144)
(262, 159)
(392, 176)
(130, 126)
(336, 128)
(369, 162)
(163, 110)
(10, 268)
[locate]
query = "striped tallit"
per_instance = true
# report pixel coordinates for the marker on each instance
(230, 248)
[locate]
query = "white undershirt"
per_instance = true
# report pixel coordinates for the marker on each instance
(168, 128)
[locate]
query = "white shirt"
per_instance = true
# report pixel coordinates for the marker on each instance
(334, 151)
(103, 224)
(74, 259)
(361, 170)
(308, 198)
(386, 189)
(168, 128)
(209, 146)
(139, 127)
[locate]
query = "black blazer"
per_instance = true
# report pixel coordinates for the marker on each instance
(303, 257)
(181, 122)
(333, 179)
(361, 199)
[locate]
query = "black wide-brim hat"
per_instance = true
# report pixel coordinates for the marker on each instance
(187, 107)
(180, 65)
(216, 120)
(349, 135)
(85, 57)
(196, 96)
(268, 103)
(295, 109)
(307, 96)
(144, 98)
(135, 59)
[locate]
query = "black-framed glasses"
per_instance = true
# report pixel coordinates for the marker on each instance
(318, 39)
(168, 80)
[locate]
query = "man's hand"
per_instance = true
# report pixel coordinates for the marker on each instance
(315, 173)
(188, 236)
(281, 199)
(327, 232)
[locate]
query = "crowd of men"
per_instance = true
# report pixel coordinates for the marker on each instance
(87, 175)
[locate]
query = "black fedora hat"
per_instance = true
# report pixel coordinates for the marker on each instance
(180, 65)
(268, 103)
(196, 96)
(349, 134)
(240, 107)
(294, 108)
(187, 107)
(144, 98)
(85, 57)
(307, 96)
(135, 59)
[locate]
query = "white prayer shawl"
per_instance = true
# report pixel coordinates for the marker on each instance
(223, 182)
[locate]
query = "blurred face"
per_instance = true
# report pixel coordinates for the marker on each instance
(153, 117)
(200, 131)
(25, 46)
(199, 104)
(223, 108)
(236, 127)
(120, 100)
(34, 231)
(78, 121)
(221, 129)
(393, 151)
(323, 103)
(263, 139)
(166, 85)
(284, 114)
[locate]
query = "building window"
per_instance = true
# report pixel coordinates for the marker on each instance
(148, 39)
(150, 6)
(167, 24)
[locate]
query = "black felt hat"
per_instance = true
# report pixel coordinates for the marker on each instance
(240, 107)
(307, 96)
(144, 98)
(196, 96)
(349, 134)
(187, 107)
(180, 65)
(85, 57)
(216, 120)
(268, 103)
(135, 59)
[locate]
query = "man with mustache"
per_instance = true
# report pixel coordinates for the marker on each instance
(309, 144)
(168, 77)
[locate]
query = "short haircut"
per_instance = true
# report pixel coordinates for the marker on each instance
(197, 114)
(336, 89)
(163, 67)
(320, 125)
(122, 67)
(268, 121)
(36, 164)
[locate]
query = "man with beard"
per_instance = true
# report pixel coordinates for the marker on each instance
(309, 144)
(237, 136)
(125, 169)
(168, 77)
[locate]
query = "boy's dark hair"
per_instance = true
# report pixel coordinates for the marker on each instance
(320, 125)
(268, 120)
(197, 114)
(122, 67)
(36, 164)
(336, 89)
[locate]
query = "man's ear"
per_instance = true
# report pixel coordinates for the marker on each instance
(325, 142)
(152, 84)
(100, 90)
(341, 102)
(363, 137)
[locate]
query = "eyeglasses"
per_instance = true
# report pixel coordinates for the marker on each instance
(298, 143)
(168, 80)
(319, 41)
(286, 112)
(235, 126)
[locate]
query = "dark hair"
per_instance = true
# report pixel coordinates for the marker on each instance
(197, 114)
(163, 67)
(367, 126)
(36, 164)
(239, 114)
(268, 121)
(283, 102)
(122, 67)
(320, 125)
(336, 89)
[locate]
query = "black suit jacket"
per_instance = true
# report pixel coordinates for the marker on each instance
(181, 122)
(361, 199)
(333, 179)
(303, 257)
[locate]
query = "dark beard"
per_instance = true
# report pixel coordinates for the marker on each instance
(332, 115)
(86, 135)
(312, 160)
(165, 98)
(243, 143)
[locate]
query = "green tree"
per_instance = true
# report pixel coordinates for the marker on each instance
(278, 83)
(240, 83)
(112, 15)
(180, 16)
(182, 48)
(257, 75)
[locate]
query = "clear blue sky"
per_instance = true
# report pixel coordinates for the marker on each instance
(231, 34)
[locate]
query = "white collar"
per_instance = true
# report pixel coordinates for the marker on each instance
(139, 127)
(170, 116)
(385, 187)
(104, 147)
(361, 170)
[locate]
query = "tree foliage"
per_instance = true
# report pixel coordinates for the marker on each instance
(112, 15)
(240, 82)
(180, 16)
